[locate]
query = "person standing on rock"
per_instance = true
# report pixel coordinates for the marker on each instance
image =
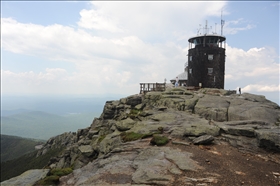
(177, 82)
(239, 90)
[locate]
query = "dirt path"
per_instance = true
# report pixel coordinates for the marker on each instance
(226, 166)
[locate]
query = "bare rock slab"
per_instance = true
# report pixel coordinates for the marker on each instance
(203, 140)
(154, 165)
(27, 178)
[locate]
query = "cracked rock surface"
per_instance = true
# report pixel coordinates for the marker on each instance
(215, 138)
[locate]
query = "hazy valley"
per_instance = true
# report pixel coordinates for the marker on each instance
(42, 117)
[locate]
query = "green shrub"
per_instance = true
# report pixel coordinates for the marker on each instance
(159, 140)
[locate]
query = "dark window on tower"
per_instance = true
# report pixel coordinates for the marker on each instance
(210, 70)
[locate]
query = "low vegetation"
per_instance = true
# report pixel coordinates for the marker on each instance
(134, 112)
(159, 140)
(54, 175)
(132, 136)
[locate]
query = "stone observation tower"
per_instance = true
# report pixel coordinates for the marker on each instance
(206, 59)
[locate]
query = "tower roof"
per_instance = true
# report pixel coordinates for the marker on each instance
(221, 38)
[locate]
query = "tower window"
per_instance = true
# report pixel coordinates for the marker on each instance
(210, 70)
(190, 71)
(190, 58)
(210, 56)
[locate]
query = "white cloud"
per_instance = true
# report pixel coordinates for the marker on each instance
(92, 19)
(255, 64)
(262, 88)
(117, 45)
(148, 20)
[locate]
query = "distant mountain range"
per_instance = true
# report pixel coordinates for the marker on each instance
(42, 117)
(42, 125)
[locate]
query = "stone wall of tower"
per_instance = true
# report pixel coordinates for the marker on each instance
(203, 69)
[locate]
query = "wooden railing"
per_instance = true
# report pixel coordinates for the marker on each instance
(148, 87)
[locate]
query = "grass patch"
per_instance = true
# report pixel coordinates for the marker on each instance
(159, 140)
(132, 136)
(61, 172)
(49, 180)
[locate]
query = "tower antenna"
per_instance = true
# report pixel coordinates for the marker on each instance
(215, 28)
(222, 22)
(198, 29)
(206, 28)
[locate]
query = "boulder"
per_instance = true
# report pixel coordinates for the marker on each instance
(212, 107)
(87, 150)
(242, 128)
(27, 178)
(110, 142)
(110, 109)
(203, 140)
(125, 124)
(154, 165)
(134, 100)
(243, 108)
(199, 130)
(269, 138)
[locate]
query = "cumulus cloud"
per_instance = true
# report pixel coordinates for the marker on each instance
(148, 20)
(92, 19)
(262, 88)
(115, 47)
(256, 63)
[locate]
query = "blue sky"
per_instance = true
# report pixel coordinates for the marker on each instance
(99, 48)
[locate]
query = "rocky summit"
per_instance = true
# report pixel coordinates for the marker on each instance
(176, 137)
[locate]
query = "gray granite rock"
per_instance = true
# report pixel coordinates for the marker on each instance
(203, 140)
(27, 178)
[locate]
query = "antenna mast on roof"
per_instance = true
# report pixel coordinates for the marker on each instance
(198, 29)
(206, 28)
(215, 28)
(222, 22)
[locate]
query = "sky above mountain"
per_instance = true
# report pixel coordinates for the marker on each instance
(109, 47)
